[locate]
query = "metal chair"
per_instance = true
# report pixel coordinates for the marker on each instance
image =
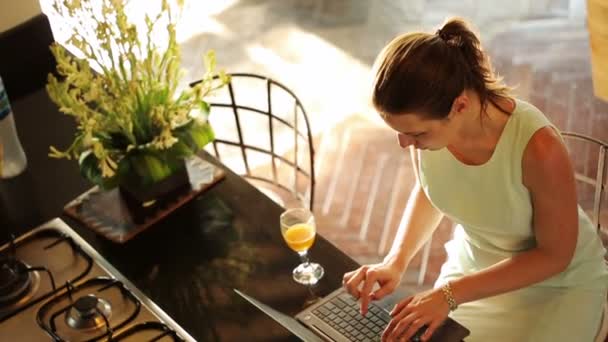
(265, 114)
(588, 157)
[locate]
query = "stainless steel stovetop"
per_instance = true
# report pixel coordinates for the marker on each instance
(55, 287)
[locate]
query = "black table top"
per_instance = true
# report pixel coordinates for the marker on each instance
(189, 263)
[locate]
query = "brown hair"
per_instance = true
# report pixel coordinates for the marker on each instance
(423, 73)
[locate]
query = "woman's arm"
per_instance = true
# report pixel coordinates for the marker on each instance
(548, 174)
(419, 221)
(417, 224)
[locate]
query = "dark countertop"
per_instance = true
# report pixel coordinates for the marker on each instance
(188, 264)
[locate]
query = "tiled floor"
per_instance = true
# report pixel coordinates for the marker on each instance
(323, 50)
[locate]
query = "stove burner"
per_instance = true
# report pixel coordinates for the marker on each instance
(15, 280)
(88, 312)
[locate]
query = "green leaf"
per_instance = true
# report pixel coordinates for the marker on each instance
(202, 134)
(150, 168)
(180, 150)
(205, 108)
(89, 168)
(195, 135)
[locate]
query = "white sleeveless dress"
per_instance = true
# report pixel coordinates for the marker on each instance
(493, 212)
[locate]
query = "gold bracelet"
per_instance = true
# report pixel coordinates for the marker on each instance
(449, 296)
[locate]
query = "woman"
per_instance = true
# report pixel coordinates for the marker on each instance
(525, 263)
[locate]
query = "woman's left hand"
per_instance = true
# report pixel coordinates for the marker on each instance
(428, 308)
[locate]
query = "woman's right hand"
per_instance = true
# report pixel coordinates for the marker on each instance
(360, 282)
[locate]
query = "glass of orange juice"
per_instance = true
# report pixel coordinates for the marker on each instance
(298, 229)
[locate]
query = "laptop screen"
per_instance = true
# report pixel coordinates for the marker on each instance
(286, 321)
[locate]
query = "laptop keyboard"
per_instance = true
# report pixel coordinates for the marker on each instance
(342, 314)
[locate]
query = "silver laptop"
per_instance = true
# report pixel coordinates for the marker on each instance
(336, 317)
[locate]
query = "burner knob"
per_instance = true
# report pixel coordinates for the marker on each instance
(88, 312)
(86, 306)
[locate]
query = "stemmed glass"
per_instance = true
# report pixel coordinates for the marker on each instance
(298, 229)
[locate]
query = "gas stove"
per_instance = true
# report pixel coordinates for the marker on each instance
(55, 287)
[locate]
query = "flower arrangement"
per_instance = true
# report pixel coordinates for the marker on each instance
(133, 124)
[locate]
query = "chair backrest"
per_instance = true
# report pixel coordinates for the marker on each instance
(589, 160)
(263, 133)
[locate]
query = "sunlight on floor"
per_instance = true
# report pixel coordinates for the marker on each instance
(338, 78)
(334, 90)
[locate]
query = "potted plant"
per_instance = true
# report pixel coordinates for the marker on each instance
(135, 129)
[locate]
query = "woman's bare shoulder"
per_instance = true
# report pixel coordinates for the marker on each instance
(545, 158)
